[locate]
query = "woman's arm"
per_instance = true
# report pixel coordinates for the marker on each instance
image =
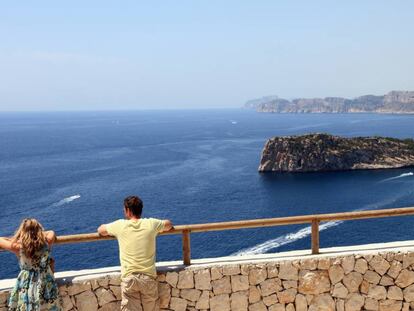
(50, 237)
(9, 245)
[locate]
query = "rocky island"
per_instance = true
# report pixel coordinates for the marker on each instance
(324, 152)
(393, 102)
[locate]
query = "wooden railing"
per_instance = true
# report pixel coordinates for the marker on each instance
(314, 220)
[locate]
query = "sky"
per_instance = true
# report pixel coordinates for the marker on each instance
(100, 55)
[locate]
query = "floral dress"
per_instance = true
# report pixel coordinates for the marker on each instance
(35, 288)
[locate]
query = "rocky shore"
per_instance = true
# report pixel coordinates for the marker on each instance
(324, 152)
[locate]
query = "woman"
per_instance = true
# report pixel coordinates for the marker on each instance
(35, 287)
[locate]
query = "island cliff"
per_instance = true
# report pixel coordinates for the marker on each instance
(393, 102)
(324, 152)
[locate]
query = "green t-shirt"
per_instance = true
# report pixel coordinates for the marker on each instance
(136, 239)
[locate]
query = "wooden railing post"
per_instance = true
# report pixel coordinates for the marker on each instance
(186, 248)
(315, 236)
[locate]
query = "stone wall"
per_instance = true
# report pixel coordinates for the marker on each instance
(380, 281)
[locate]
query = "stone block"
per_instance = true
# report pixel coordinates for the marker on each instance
(203, 301)
(270, 300)
(86, 301)
(288, 272)
(408, 260)
(111, 306)
(185, 279)
(314, 282)
(408, 293)
(202, 279)
(371, 304)
(287, 296)
(175, 292)
(104, 296)
(116, 290)
(340, 305)
(390, 305)
(348, 264)
(178, 304)
(258, 306)
(301, 303)
(324, 263)
(405, 278)
(239, 301)
(67, 303)
(354, 302)
(216, 273)
(290, 284)
(395, 269)
(270, 286)
(190, 294)
(336, 273)
(220, 303)
(222, 286)
(172, 278)
(277, 307)
(372, 277)
(340, 291)
(254, 294)
(308, 264)
(395, 293)
(377, 292)
(231, 269)
(257, 275)
(78, 288)
(386, 280)
(361, 266)
(272, 271)
(379, 264)
(239, 283)
(352, 281)
(323, 302)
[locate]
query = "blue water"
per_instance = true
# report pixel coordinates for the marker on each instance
(72, 171)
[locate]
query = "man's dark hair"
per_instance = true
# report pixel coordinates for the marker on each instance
(134, 204)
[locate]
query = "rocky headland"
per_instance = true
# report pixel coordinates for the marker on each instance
(324, 152)
(393, 102)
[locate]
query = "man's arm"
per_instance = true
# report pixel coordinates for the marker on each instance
(167, 225)
(102, 230)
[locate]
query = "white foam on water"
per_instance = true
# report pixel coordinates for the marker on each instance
(283, 240)
(304, 232)
(66, 200)
(399, 176)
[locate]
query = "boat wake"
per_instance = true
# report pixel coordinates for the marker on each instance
(66, 200)
(283, 240)
(399, 176)
(264, 247)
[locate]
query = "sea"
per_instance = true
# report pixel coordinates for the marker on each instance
(72, 170)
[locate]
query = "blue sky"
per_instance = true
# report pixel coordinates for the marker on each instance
(98, 55)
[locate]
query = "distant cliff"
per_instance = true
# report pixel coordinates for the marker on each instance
(323, 152)
(393, 102)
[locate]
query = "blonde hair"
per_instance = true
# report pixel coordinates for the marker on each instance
(31, 236)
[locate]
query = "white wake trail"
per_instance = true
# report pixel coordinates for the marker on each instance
(304, 232)
(399, 176)
(283, 240)
(66, 200)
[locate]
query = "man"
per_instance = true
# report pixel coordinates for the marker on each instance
(136, 239)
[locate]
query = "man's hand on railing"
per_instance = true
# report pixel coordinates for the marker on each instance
(167, 225)
(102, 230)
